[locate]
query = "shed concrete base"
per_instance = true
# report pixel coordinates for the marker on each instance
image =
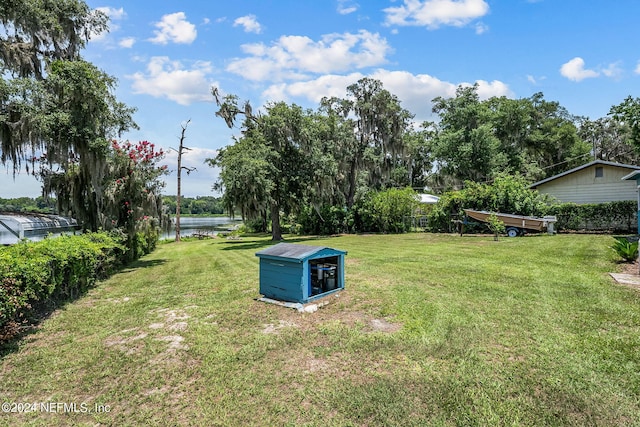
(310, 307)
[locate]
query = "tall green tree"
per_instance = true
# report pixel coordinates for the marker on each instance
(513, 121)
(478, 139)
(56, 109)
(278, 150)
(416, 168)
(466, 147)
(36, 33)
(39, 31)
(554, 143)
(628, 113)
(610, 140)
(80, 117)
(538, 137)
(379, 124)
(246, 178)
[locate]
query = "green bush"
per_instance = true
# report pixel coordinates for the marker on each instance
(256, 225)
(146, 237)
(507, 194)
(53, 270)
(496, 226)
(626, 249)
(387, 211)
(325, 220)
(393, 209)
(619, 216)
(510, 194)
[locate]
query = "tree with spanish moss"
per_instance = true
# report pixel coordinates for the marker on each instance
(277, 162)
(376, 146)
(58, 112)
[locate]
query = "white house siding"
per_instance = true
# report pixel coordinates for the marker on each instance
(583, 187)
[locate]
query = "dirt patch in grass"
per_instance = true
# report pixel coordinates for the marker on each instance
(304, 362)
(171, 316)
(340, 308)
(173, 321)
(271, 328)
(126, 341)
(383, 325)
(629, 268)
(174, 342)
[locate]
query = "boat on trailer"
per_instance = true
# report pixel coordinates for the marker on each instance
(516, 225)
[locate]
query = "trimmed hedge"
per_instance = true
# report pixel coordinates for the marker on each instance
(52, 270)
(611, 216)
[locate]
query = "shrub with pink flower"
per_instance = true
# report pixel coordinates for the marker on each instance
(133, 190)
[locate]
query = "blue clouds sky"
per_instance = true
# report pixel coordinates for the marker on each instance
(167, 55)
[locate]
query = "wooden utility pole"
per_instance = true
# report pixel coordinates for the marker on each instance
(181, 150)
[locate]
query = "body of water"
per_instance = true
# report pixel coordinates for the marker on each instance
(210, 225)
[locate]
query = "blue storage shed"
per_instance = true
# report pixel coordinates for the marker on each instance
(300, 273)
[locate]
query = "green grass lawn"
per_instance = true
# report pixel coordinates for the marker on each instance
(431, 330)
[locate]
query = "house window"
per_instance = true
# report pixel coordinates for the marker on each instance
(599, 172)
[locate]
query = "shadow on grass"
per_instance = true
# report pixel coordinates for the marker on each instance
(141, 263)
(502, 236)
(42, 310)
(233, 245)
(39, 312)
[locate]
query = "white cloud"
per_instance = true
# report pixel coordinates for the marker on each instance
(434, 13)
(415, 91)
(295, 57)
(481, 28)
(249, 23)
(127, 42)
(174, 28)
(535, 80)
(112, 13)
(487, 89)
(574, 70)
(637, 70)
(169, 79)
(613, 70)
(313, 90)
(346, 7)
(192, 158)
(197, 183)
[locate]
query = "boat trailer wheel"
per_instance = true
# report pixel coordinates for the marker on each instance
(513, 232)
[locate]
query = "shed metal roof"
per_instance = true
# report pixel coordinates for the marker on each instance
(292, 251)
